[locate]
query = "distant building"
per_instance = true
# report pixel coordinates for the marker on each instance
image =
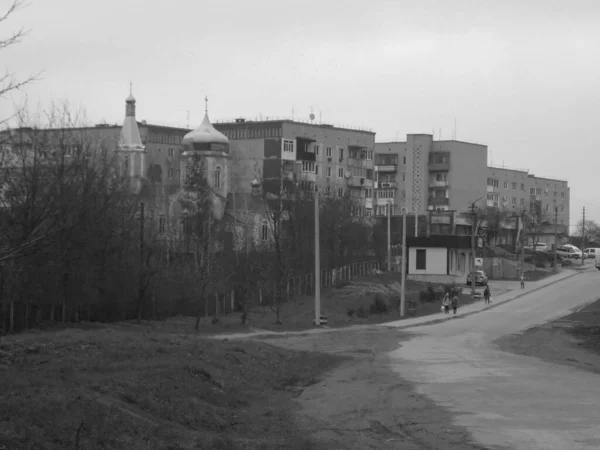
(423, 174)
(518, 189)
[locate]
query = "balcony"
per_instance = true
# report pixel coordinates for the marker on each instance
(438, 184)
(386, 185)
(436, 201)
(357, 181)
(490, 188)
(388, 168)
(384, 201)
(369, 203)
(439, 162)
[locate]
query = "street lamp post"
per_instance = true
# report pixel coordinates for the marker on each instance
(555, 234)
(404, 265)
(317, 264)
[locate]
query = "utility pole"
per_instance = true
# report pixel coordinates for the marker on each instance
(317, 264)
(522, 242)
(389, 236)
(404, 265)
(141, 274)
(583, 237)
(555, 233)
(473, 230)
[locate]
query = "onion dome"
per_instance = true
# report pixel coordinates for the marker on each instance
(206, 138)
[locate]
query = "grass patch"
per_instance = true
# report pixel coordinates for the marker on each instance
(125, 387)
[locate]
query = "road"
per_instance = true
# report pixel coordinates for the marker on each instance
(506, 400)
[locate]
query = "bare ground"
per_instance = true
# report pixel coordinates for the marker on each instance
(363, 404)
(572, 340)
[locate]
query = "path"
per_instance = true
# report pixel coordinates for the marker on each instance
(507, 400)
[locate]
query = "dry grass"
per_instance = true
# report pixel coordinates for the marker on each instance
(123, 387)
(336, 304)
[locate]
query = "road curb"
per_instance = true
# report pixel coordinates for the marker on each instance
(494, 305)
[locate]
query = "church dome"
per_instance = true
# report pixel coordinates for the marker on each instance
(204, 135)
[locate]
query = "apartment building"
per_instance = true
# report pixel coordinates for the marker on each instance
(518, 190)
(338, 161)
(424, 175)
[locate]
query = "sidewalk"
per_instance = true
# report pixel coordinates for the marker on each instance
(530, 286)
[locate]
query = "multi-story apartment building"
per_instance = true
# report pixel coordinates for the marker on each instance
(335, 160)
(423, 174)
(518, 190)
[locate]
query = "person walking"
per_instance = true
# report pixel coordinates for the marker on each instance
(454, 303)
(522, 280)
(487, 295)
(446, 303)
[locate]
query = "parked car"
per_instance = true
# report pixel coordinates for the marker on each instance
(569, 251)
(480, 278)
(591, 252)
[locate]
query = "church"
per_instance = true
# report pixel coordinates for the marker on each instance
(202, 196)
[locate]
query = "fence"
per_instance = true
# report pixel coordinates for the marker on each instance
(221, 303)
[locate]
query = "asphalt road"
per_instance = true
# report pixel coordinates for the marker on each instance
(507, 400)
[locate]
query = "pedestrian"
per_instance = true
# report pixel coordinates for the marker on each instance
(446, 303)
(522, 281)
(455, 303)
(487, 295)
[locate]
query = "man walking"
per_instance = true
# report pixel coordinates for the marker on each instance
(455, 303)
(487, 295)
(522, 280)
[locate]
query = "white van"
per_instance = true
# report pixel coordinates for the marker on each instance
(591, 253)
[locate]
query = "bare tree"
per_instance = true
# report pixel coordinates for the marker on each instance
(9, 82)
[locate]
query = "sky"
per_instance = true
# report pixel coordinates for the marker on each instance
(520, 77)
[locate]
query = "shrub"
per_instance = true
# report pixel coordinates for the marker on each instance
(428, 295)
(350, 312)
(362, 312)
(379, 305)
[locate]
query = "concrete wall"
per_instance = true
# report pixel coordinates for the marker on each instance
(435, 262)
(459, 261)
(467, 177)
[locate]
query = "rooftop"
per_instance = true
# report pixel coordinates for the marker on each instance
(260, 120)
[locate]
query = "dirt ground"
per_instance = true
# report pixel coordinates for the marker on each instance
(363, 405)
(572, 340)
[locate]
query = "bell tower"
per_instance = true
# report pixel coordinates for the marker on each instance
(131, 151)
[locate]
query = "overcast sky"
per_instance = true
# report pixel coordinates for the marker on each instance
(519, 76)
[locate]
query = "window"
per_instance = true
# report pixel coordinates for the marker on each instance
(562, 195)
(443, 176)
(264, 231)
(341, 153)
(340, 192)
(288, 146)
(369, 174)
(328, 152)
(421, 259)
(126, 162)
(514, 186)
(317, 147)
(554, 194)
(523, 187)
(506, 185)
(161, 224)
(493, 183)
(217, 178)
(538, 191)
(171, 173)
(522, 202)
(340, 173)
(171, 152)
(490, 197)
(370, 155)
(547, 208)
(369, 193)
(404, 160)
(308, 166)
(316, 169)
(514, 201)
(328, 171)
(531, 191)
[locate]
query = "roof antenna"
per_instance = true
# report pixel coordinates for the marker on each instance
(206, 104)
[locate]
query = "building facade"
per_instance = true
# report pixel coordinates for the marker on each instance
(519, 190)
(424, 175)
(334, 160)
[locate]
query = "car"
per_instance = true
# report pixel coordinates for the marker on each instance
(480, 278)
(597, 262)
(568, 251)
(590, 253)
